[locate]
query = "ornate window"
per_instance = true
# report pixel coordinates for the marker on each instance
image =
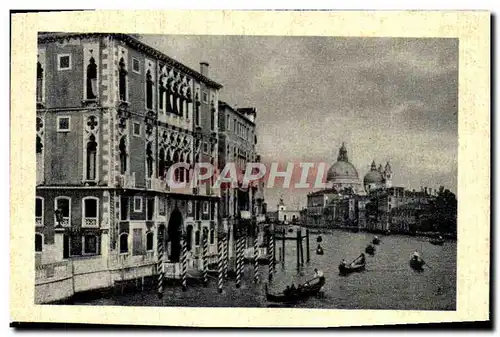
(124, 207)
(122, 82)
(189, 237)
(136, 65)
(38, 242)
(161, 163)
(149, 241)
(150, 208)
(197, 238)
(123, 154)
(212, 236)
(137, 204)
(39, 82)
(90, 207)
(64, 62)
(62, 206)
(90, 244)
(39, 211)
(63, 124)
(124, 243)
(149, 160)
(149, 90)
(91, 79)
(91, 157)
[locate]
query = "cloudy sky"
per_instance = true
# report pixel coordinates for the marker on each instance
(388, 99)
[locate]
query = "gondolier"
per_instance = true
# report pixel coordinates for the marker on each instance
(319, 274)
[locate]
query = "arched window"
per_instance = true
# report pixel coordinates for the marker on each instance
(39, 82)
(62, 207)
(91, 79)
(123, 155)
(39, 145)
(124, 243)
(39, 211)
(177, 171)
(90, 173)
(90, 207)
(38, 242)
(149, 90)
(212, 236)
(122, 80)
(149, 241)
(197, 238)
(189, 237)
(149, 160)
(161, 163)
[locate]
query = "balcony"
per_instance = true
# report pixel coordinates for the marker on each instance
(90, 222)
(155, 184)
(125, 180)
(64, 222)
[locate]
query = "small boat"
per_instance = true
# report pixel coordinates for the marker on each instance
(376, 241)
(370, 249)
(307, 290)
(319, 239)
(417, 263)
(352, 268)
(319, 251)
(437, 241)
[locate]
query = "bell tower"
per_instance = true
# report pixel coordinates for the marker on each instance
(388, 175)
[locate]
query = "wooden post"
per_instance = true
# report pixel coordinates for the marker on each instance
(298, 250)
(160, 267)
(301, 249)
(256, 257)
(308, 253)
(274, 252)
(220, 261)
(184, 264)
(205, 257)
(283, 247)
(226, 253)
(270, 252)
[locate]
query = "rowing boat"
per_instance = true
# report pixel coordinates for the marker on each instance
(352, 268)
(305, 291)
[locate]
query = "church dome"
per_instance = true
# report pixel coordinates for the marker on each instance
(374, 178)
(342, 172)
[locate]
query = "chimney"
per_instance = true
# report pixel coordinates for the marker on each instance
(204, 68)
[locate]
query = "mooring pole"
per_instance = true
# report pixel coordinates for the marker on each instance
(301, 249)
(298, 250)
(308, 253)
(274, 252)
(283, 246)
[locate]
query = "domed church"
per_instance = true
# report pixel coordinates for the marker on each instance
(378, 178)
(342, 175)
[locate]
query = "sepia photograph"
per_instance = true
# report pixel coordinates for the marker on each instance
(269, 171)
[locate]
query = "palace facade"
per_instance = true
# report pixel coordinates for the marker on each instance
(113, 115)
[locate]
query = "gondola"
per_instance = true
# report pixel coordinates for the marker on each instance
(417, 263)
(352, 268)
(376, 241)
(319, 239)
(306, 291)
(370, 249)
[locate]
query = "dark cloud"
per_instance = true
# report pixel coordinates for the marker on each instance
(387, 98)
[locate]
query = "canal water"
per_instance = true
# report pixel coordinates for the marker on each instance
(387, 283)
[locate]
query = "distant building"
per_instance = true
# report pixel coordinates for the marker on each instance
(285, 216)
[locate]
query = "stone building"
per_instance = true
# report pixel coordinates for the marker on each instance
(113, 115)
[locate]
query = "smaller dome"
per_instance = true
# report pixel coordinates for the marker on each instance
(373, 177)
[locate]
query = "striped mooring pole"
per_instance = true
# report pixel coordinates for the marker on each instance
(220, 248)
(205, 258)
(160, 267)
(238, 262)
(242, 255)
(184, 265)
(256, 258)
(270, 256)
(225, 257)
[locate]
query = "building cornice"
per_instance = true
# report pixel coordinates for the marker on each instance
(133, 42)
